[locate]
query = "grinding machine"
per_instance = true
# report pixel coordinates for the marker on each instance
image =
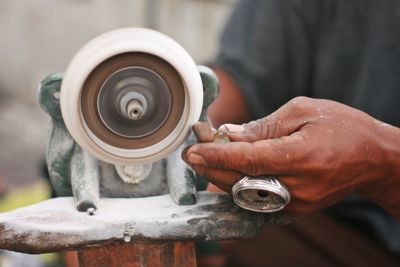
(123, 112)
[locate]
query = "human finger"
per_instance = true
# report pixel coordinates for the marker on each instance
(274, 156)
(203, 132)
(286, 120)
(224, 179)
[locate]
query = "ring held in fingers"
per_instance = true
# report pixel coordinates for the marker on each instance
(264, 193)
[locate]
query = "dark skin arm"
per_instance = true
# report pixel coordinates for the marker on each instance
(229, 96)
(322, 150)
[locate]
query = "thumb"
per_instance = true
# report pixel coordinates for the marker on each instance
(282, 122)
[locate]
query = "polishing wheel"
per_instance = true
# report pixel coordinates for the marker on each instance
(130, 96)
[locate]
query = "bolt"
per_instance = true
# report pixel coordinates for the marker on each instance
(90, 211)
(134, 171)
(128, 233)
(127, 239)
(134, 109)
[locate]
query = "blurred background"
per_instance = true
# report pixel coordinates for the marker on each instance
(40, 37)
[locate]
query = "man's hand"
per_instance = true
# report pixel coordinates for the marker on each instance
(320, 149)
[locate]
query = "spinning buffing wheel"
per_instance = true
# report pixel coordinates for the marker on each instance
(130, 96)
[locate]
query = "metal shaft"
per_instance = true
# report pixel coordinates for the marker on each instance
(134, 109)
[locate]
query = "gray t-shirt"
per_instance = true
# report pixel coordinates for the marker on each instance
(343, 50)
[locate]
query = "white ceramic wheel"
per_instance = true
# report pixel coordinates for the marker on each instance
(117, 43)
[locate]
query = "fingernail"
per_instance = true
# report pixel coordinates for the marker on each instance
(196, 159)
(231, 128)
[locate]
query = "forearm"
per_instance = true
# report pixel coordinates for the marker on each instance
(386, 189)
(230, 106)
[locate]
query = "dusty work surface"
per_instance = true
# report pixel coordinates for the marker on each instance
(55, 224)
